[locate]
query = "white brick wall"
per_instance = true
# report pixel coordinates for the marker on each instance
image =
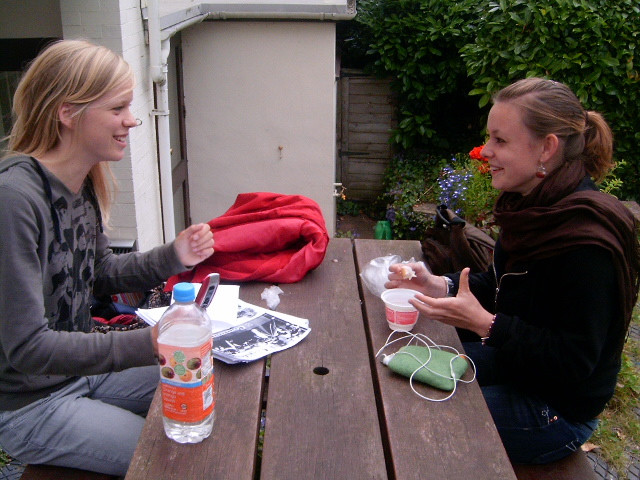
(117, 24)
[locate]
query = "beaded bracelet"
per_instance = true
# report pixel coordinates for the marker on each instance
(484, 339)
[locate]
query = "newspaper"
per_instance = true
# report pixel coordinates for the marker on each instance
(222, 309)
(260, 333)
(243, 332)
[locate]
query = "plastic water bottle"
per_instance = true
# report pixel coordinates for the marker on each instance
(186, 368)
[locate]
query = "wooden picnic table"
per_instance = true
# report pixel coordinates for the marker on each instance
(330, 409)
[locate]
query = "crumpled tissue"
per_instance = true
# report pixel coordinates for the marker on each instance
(271, 296)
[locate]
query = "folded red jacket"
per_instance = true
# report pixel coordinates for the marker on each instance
(264, 236)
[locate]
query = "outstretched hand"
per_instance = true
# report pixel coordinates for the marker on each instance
(423, 280)
(464, 310)
(194, 244)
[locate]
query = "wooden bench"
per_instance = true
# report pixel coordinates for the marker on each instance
(50, 472)
(574, 467)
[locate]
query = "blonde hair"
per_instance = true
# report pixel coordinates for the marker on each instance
(68, 71)
(550, 107)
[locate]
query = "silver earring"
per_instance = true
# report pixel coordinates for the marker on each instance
(542, 171)
(138, 122)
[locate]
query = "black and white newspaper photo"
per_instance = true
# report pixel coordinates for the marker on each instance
(259, 332)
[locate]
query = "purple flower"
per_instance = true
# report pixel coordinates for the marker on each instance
(391, 215)
(453, 185)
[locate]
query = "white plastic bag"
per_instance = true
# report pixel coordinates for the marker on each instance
(376, 273)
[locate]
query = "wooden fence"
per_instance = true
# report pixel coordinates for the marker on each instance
(366, 116)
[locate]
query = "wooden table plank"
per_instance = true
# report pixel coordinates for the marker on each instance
(324, 426)
(455, 439)
(230, 451)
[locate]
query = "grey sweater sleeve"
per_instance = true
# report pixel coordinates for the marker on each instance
(35, 358)
(133, 272)
(28, 347)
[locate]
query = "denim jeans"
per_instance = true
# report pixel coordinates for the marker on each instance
(532, 431)
(93, 423)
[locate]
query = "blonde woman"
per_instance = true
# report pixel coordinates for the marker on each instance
(554, 308)
(69, 397)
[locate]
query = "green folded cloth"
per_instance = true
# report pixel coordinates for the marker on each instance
(436, 372)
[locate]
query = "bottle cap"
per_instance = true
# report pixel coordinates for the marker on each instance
(184, 292)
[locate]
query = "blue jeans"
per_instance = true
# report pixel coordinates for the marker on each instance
(92, 424)
(531, 430)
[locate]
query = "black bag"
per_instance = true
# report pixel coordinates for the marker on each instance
(452, 244)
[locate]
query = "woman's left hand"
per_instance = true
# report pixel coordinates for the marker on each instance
(464, 310)
(194, 244)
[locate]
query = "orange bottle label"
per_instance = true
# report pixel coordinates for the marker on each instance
(187, 382)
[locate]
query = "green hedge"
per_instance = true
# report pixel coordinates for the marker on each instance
(447, 58)
(417, 44)
(409, 180)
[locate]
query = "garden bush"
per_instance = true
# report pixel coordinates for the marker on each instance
(462, 182)
(447, 59)
(417, 44)
(464, 185)
(410, 179)
(588, 44)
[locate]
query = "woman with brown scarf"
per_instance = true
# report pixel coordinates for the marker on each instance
(554, 308)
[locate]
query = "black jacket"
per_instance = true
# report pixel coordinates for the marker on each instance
(559, 326)
(559, 330)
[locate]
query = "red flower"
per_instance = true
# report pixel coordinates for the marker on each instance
(483, 168)
(475, 154)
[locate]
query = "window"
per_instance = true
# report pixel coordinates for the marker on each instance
(15, 55)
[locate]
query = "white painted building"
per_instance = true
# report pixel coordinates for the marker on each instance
(249, 102)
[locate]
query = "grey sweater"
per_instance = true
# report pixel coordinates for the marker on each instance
(53, 257)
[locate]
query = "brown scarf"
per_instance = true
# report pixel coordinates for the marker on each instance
(555, 218)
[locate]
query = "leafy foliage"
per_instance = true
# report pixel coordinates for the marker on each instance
(417, 43)
(439, 52)
(464, 185)
(613, 184)
(618, 434)
(347, 207)
(460, 182)
(4, 459)
(588, 44)
(409, 180)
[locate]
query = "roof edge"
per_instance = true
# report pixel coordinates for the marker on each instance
(256, 11)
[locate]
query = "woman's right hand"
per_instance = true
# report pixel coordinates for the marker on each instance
(423, 281)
